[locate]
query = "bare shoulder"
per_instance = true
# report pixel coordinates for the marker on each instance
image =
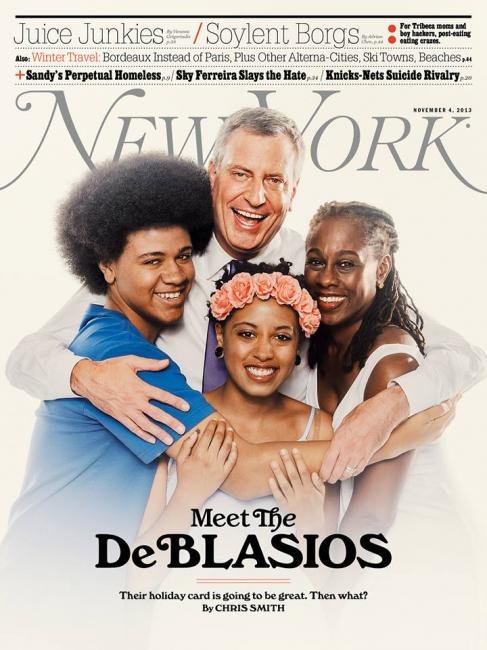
(322, 427)
(294, 408)
(392, 334)
(392, 366)
(388, 369)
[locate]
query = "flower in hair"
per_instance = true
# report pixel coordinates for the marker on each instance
(220, 304)
(263, 284)
(306, 304)
(310, 322)
(286, 290)
(240, 290)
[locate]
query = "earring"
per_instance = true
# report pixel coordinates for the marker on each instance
(380, 285)
(297, 360)
(219, 352)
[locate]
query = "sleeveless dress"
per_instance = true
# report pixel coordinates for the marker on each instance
(355, 396)
(431, 582)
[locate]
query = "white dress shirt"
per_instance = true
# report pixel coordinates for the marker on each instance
(41, 364)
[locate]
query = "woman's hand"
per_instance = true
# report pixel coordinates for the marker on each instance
(420, 429)
(204, 462)
(299, 492)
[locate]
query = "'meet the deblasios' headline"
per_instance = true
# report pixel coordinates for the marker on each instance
(335, 551)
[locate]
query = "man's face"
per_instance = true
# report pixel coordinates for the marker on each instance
(253, 188)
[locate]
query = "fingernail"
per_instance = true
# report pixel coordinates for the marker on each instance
(185, 406)
(295, 451)
(274, 465)
(180, 429)
(283, 452)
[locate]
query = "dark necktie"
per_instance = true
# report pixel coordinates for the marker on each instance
(214, 371)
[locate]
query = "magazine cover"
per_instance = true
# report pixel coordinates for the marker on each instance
(243, 326)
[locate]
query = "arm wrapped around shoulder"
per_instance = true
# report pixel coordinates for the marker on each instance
(420, 429)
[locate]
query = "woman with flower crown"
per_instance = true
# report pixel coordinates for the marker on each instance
(261, 313)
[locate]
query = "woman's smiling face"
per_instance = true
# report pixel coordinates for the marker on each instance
(151, 279)
(342, 270)
(260, 343)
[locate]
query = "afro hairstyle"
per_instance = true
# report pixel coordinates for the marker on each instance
(119, 198)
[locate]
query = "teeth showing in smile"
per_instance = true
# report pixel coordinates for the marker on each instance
(169, 296)
(331, 300)
(249, 215)
(261, 372)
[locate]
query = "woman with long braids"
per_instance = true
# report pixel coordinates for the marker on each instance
(370, 334)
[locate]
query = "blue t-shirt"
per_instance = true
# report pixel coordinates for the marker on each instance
(87, 473)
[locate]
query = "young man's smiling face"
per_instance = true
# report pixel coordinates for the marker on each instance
(253, 188)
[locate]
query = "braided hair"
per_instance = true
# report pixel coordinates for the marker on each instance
(392, 304)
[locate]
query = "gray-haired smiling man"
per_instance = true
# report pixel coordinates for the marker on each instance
(254, 175)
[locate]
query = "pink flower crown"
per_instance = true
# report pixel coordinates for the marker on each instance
(286, 290)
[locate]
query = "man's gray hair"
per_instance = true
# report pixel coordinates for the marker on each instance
(260, 121)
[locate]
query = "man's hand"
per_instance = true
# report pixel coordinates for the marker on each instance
(113, 387)
(362, 432)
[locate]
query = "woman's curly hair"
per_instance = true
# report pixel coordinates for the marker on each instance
(244, 266)
(118, 198)
(392, 304)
